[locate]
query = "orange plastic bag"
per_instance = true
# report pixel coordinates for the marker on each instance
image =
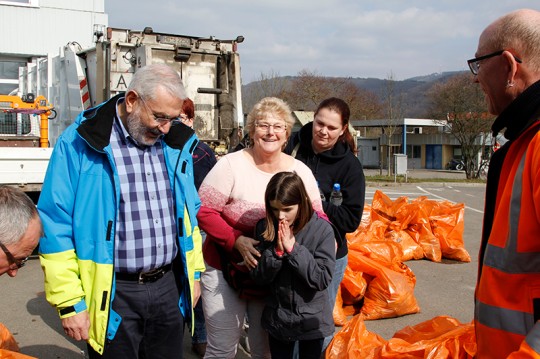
(8, 346)
(8, 354)
(446, 220)
(354, 341)
(423, 228)
(6, 339)
(439, 338)
(447, 224)
(409, 246)
(353, 286)
(384, 209)
(363, 228)
(340, 318)
(350, 296)
(386, 252)
(375, 232)
(416, 219)
(390, 293)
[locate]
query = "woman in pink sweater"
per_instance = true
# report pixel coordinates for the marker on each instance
(232, 197)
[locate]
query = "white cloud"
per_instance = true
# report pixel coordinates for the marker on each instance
(368, 38)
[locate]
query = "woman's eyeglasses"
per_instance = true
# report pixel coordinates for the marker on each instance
(265, 127)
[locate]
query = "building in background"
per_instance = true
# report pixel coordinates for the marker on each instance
(32, 29)
(427, 143)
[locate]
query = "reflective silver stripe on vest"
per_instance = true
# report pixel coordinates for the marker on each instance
(508, 259)
(533, 338)
(512, 321)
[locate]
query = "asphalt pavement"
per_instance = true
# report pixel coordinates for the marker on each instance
(445, 288)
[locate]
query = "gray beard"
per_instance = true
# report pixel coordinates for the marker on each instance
(138, 131)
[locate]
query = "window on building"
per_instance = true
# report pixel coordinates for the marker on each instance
(414, 151)
(6, 88)
(9, 74)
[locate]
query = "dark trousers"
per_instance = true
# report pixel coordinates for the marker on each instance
(308, 349)
(152, 325)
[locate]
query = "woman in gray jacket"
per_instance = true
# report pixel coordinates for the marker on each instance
(297, 262)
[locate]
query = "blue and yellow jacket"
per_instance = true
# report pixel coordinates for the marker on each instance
(79, 205)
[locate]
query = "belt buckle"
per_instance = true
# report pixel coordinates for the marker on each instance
(150, 276)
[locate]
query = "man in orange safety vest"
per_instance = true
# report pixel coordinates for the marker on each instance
(507, 298)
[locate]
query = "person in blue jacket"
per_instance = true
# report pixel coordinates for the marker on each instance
(121, 250)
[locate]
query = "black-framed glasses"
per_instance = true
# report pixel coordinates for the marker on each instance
(19, 263)
(265, 127)
(161, 120)
(474, 64)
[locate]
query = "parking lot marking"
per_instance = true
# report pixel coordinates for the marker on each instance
(446, 199)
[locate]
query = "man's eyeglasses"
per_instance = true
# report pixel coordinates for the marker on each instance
(159, 119)
(19, 263)
(474, 64)
(265, 127)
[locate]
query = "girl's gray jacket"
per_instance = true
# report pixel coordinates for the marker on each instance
(298, 307)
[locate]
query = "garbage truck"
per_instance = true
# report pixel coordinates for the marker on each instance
(76, 79)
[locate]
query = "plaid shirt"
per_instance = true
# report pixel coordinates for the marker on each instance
(145, 227)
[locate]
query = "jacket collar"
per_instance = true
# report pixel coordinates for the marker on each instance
(520, 114)
(96, 127)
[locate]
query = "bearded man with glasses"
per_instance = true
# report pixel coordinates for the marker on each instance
(507, 296)
(122, 251)
(20, 229)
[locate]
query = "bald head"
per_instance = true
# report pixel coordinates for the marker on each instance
(518, 31)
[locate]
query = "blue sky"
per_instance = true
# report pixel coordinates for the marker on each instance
(352, 38)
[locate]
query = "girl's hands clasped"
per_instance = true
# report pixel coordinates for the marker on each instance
(286, 240)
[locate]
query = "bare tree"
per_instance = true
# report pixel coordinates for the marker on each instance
(364, 104)
(307, 89)
(267, 84)
(393, 111)
(461, 104)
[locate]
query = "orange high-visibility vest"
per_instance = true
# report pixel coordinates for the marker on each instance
(507, 298)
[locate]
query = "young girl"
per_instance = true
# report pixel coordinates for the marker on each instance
(297, 262)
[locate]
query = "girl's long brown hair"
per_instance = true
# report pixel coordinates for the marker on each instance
(287, 188)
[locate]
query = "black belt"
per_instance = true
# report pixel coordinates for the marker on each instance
(145, 277)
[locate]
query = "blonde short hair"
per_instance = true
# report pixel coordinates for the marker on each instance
(266, 106)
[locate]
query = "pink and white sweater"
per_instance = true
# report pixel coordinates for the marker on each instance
(232, 201)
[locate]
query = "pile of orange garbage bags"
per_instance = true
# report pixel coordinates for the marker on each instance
(439, 338)
(377, 284)
(423, 228)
